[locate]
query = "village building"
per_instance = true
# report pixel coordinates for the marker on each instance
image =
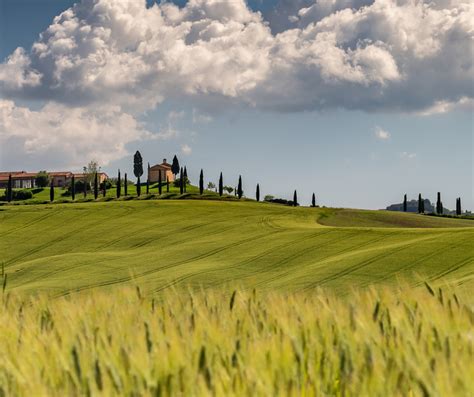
(164, 169)
(27, 180)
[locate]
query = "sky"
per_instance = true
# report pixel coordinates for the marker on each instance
(358, 101)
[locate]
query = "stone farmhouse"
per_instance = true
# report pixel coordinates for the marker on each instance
(27, 180)
(164, 169)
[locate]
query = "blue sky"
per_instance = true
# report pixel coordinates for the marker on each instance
(363, 154)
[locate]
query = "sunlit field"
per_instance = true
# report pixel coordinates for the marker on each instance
(380, 342)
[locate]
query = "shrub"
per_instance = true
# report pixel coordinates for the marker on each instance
(18, 195)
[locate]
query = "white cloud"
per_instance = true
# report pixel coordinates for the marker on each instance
(201, 118)
(186, 149)
(357, 54)
(381, 134)
(408, 155)
(70, 136)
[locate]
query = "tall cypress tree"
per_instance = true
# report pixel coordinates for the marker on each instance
(167, 184)
(405, 203)
(51, 191)
(10, 188)
(239, 188)
(181, 186)
(313, 200)
(148, 186)
(125, 185)
(221, 185)
(201, 182)
(185, 179)
(84, 184)
(96, 186)
(257, 192)
(138, 170)
(458, 206)
(439, 205)
(73, 188)
(420, 204)
(295, 199)
(175, 166)
(159, 182)
(119, 188)
(104, 188)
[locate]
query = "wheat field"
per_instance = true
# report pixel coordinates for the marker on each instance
(399, 341)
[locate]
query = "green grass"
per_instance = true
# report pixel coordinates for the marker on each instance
(162, 243)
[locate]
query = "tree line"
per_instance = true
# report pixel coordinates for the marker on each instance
(439, 209)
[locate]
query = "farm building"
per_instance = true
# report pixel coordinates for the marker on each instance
(27, 180)
(164, 168)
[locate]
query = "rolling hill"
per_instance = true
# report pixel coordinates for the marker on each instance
(163, 243)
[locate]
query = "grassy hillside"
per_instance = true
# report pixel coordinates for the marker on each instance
(164, 243)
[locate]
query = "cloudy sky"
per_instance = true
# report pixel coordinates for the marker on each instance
(359, 101)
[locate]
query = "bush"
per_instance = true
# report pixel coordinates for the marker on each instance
(271, 199)
(177, 182)
(18, 195)
(108, 184)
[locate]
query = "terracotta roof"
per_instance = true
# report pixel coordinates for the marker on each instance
(60, 173)
(19, 175)
(162, 165)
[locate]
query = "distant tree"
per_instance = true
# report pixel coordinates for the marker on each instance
(148, 180)
(181, 181)
(125, 185)
(420, 204)
(211, 186)
(268, 197)
(295, 199)
(42, 179)
(458, 206)
(104, 188)
(84, 185)
(167, 184)
(89, 171)
(229, 189)
(159, 182)
(257, 193)
(405, 203)
(175, 166)
(119, 187)
(73, 188)
(51, 192)
(221, 185)
(239, 188)
(313, 200)
(439, 205)
(10, 188)
(138, 169)
(185, 179)
(201, 182)
(96, 186)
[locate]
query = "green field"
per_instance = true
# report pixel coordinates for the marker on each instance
(163, 243)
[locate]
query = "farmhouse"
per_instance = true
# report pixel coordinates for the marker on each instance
(164, 169)
(27, 180)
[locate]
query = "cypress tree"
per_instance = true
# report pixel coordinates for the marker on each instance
(458, 206)
(84, 184)
(181, 186)
(239, 188)
(159, 182)
(313, 200)
(175, 166)
(138, 170)
(10, 188)
(167, 184)
(96, 186)
(405, 203)
(118, 185)
(439, 205)
(51, 191)
(201, 182)
(257, 193)
(420, 204)
(148, 186)
(221, 185)
(73, 188)
(295, 199)
(125, 185)
(104, 188)
(185, 179)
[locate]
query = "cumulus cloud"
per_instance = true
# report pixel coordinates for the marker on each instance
(391, 55)
(70, 136)
(186, 149)
(381, 134)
